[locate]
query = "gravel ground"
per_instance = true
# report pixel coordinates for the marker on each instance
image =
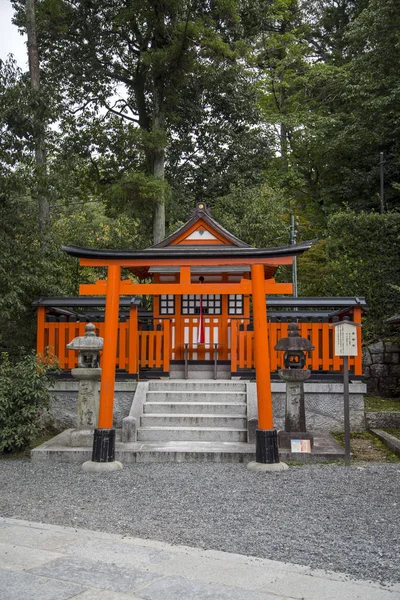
(328, 517)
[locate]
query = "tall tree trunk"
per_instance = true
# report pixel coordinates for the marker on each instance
(40, 149)
(159, 163)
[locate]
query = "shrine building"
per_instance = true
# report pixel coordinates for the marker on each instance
(211, 299)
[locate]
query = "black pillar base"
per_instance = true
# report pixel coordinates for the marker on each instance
(103, 445)
(267, 446)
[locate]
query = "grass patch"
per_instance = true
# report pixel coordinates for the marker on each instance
(378, 404)
(395, 432)
(366, 447)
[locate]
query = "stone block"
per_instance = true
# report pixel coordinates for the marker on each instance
(366, 357)
(392, 347)
(252, 425)
(385, 420)
(129, 429)
(377, 358)
(379, 370)
(81, 438)
(63, 410)
(376, 348)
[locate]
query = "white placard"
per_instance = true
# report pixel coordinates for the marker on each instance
(302, 446)
(346, 339)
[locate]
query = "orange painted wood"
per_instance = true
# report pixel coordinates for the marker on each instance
(123, 346)
(184, 277)
(128, 288)
(240, 350)
(158, 349)
(51, 344)
(326, 349)
(41, 320)
(177, 262)
(356, 363)
(133, 340)
(72, 355)
(61, 348)
(143, 356)
(166, 345)
(261, 350)
(109, 360)
(234, 345)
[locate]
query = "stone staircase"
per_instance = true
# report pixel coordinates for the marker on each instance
(200, 370)
(194, 411)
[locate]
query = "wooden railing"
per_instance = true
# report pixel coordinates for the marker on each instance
(321, 336)
(152, 349)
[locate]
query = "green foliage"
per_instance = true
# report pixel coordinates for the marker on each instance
(24, 392)
(363, 260)
(312, 269)
(257, 215)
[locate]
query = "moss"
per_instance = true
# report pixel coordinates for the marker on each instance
(366, 447)
(379, 404)
(393, 431)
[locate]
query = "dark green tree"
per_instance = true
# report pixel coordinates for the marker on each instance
(149, 63)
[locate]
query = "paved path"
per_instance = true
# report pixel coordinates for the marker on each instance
(48, 562)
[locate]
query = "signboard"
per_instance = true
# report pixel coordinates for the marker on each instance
(300, 445)
(346, 339)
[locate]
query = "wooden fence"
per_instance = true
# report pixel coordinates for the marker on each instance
(152, 349)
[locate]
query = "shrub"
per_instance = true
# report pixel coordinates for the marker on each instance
(363, 260)
(24, 392)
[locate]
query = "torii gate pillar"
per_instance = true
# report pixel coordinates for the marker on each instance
(103, 454)
(266, 436)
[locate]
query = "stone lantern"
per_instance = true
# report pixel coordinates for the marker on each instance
(88, 374)
(295, 348)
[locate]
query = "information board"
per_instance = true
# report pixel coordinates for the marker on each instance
(346, 339)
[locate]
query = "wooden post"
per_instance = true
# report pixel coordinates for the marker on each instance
(41, 320)
(133, 358)
(266, 435)
(109, 361)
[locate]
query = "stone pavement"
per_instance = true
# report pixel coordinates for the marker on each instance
(48, 562)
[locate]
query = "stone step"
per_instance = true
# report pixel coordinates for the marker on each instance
(195, 396)
(204, 386)
(221, 375)
(210, 434)
(230, 408)
(194, 420)
(173, 367)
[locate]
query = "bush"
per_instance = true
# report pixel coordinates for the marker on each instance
(24, 392)
(363, 260)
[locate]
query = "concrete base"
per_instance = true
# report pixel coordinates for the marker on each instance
(267, 467)
(101, 467)
(57, 449)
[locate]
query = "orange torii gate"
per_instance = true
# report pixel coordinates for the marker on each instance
(183, 255)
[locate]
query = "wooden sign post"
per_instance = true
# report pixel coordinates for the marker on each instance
(346, 345)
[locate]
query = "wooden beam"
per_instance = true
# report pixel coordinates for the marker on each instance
(272, 261)
(128, 288)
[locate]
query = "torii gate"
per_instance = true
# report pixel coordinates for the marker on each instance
(260, 260)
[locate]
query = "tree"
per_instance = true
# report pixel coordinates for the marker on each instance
(40, 125)
(157, 56)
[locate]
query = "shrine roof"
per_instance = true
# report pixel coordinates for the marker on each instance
(200, 242)
(201, 229)
(188, 252)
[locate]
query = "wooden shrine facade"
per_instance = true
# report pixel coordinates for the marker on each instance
(203, 280)
(147, 342)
